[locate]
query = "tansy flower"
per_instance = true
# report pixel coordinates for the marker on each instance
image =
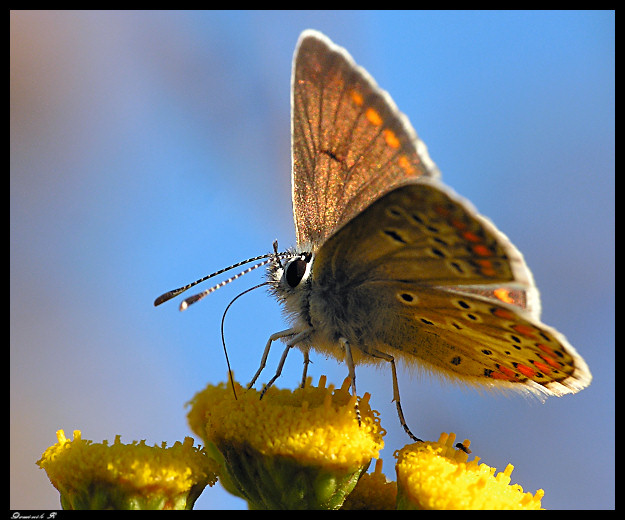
(300, 449)
(434, 475)
(373, 492)
(127, 476)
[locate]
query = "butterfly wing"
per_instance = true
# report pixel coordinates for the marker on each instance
(350, 143)
(421, 231)
(402, 264)
(470, 338)
(429, 278)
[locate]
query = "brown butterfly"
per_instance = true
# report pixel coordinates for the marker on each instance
(390, 263)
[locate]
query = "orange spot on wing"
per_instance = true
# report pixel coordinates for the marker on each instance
(373, 117)
(503, 377)
(357, 97)
(391, 138)
(524, 330)
(549, 360)
(542, 367)
(526, 371)
(406, 165)
(546, 349)
(509, 373)
(471, 237)
(502, 313)
(458, 224)
(481, 250)
(487, 267)
(503, 295)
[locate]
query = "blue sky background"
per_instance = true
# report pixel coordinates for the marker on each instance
(151, 148)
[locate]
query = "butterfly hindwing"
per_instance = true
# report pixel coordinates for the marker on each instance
(421, 232)
(478, 340)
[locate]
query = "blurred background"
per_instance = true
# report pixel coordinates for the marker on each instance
(151, 148)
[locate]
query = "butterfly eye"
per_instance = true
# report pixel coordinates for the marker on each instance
(295, 271)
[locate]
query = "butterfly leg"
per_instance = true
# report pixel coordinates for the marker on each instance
(306, 363)
(352, 371)
(292, 342)
(263, 361)
(400, 413)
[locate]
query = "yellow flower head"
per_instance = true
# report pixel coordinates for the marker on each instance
(374, 492)
(312, 424)
(435, 475)
(135, 476)
(306, 445)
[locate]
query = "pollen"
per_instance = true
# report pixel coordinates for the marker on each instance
(92, 475)
(309, 424)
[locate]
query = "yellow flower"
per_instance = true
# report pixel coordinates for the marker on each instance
(373, 492)
(434, 475)
(299, 449)
(119, 476)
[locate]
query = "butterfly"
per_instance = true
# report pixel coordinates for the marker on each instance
(390, 264)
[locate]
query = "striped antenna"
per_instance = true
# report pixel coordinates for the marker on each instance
(192, 299)
(197, 297)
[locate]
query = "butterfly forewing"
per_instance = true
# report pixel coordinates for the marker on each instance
(350, 143)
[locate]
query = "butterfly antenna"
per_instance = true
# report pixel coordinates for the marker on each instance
(223, 339)
(277, 255)
(172, 294)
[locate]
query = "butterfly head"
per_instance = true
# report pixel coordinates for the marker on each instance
(290, 275)
(290, 280)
